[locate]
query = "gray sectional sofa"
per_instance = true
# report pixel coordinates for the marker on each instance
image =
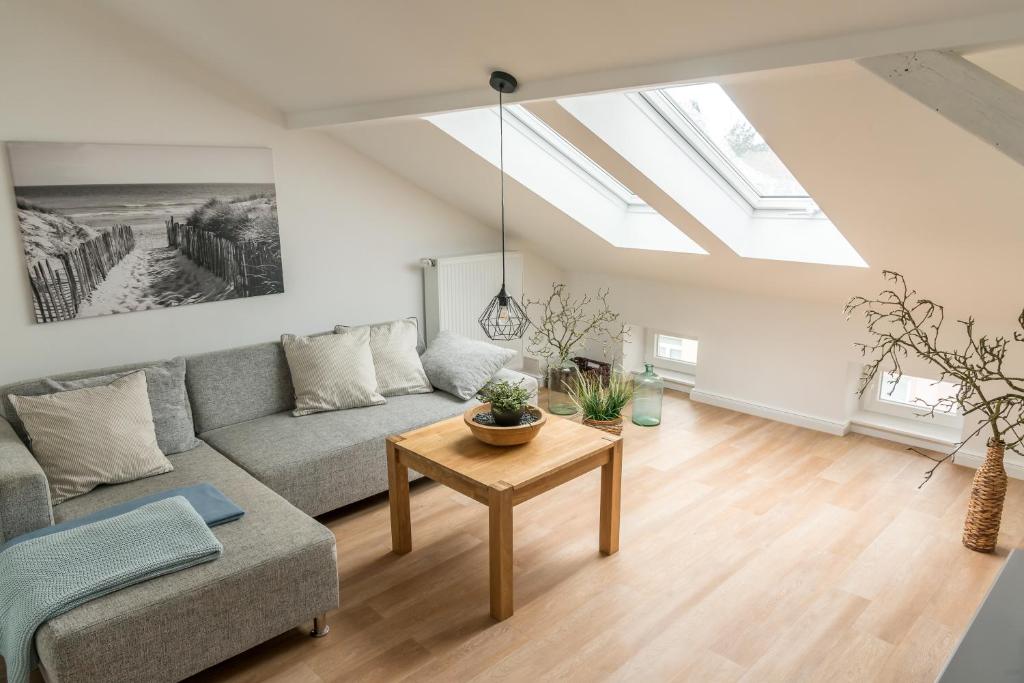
(279, 566)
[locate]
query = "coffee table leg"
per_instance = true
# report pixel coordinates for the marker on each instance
(611, 492)
(398, 497)
(500, 507)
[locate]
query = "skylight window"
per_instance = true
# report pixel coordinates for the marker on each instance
(572, 156)
(710, 122)
(720, 122)
(553, 169)
(736, 187)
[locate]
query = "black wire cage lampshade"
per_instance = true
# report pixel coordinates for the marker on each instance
(504, 318)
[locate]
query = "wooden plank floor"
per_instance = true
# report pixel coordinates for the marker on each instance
(750, 551)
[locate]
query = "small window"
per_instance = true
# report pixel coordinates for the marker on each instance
(910, 397)
(677, 348)
(918, 392)
(672, 352)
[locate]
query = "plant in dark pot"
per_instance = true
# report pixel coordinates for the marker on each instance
(508, 401)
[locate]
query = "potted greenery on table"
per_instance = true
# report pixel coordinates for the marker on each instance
(508, 401)
(601, 403)
(505, 418)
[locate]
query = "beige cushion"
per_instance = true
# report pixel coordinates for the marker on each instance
(99, 435)
(331, 372)
(395, 358)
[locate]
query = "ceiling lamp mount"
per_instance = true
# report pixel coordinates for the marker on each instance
(503, 82)
(504, 318)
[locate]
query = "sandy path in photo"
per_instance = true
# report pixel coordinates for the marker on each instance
(153, 275)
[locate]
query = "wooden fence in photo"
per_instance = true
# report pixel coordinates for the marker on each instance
(251, 268)
(61, 283)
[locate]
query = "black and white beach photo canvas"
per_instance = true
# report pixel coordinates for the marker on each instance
(111, 228)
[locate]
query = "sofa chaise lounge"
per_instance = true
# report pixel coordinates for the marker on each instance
(279, 566)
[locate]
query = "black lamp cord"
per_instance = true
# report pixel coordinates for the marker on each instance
(501, 168)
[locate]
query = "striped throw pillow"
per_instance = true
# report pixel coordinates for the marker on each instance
(99, 435)
(395, 358)
(331, 372)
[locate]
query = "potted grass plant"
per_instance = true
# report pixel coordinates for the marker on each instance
(508, 401)
(601, 403)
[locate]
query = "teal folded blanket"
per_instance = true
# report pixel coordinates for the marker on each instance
(44, 577)
(213, 506)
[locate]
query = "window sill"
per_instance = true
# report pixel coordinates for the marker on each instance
(913, 432)
(680, 381)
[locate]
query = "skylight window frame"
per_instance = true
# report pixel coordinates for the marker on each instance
(541, 171)
(548, 139)
(676, 124)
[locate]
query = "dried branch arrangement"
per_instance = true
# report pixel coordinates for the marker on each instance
(562, 322)
(902, 325)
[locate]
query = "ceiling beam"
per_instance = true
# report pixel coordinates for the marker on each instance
(969, 96)
(959, 33)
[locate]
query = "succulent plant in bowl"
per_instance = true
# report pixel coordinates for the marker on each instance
(508, 401)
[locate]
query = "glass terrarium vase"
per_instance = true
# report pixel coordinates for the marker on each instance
(561, 376)
(648, 389)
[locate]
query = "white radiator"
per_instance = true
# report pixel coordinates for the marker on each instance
(456, 291)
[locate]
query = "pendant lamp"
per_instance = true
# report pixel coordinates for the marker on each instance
(504, 318)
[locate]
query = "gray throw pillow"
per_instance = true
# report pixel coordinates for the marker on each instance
(86, 437)
(168, 400)
(462, 366)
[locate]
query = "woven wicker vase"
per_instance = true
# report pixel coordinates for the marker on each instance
(610, 426)
(985, 510)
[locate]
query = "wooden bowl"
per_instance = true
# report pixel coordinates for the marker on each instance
(504, 436)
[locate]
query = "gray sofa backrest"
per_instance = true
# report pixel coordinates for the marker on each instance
(36, 387)
(238, 384)
(224, 387)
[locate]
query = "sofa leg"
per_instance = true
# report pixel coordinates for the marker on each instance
(320, 627)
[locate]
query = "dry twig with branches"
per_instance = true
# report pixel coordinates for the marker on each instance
(563, 322)
(902, 325)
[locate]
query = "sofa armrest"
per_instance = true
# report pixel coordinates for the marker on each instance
(24, 493)
(512, 376)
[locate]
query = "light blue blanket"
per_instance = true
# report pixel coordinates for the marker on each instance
(44, 577)
(213, 506)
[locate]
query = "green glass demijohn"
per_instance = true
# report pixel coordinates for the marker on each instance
(561, 377)
(647, 395)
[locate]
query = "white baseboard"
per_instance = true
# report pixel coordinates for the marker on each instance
(905, 439)
(973, 459)
(967, 457)
(907, 431)
(778, 414)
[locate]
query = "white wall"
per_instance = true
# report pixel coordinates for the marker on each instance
(352, 232)
(793, 358)
(788, 355)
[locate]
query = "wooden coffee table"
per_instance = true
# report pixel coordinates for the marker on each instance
(501, 478)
